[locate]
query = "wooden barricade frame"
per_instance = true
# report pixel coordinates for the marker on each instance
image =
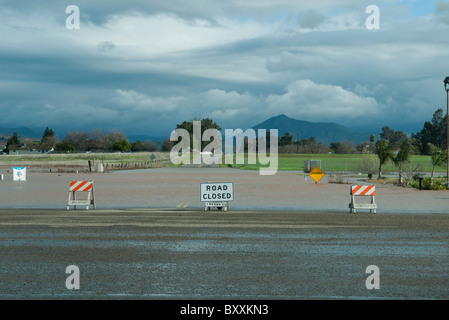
(81, 186)
(362, 190)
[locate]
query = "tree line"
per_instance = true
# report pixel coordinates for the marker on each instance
(431, 140)
(48, 140)
(83, 141)
(391, 145)
(100, 141)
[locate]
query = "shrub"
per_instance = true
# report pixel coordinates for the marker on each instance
(437, 184)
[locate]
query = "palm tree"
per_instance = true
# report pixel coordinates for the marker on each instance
(404, 156)
(384, 154)
(438, 157)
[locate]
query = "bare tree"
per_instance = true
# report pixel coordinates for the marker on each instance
(112, 137)
(149, 145)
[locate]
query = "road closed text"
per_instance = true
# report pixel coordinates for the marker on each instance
(217, 196)
(218, 191)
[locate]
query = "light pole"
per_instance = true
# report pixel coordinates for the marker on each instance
(446, 82)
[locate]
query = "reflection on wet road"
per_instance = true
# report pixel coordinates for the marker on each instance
(318, 255)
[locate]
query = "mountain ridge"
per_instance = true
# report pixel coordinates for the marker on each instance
(325, 132)
(21, 132)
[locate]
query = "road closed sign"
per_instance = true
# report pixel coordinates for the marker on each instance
(217, 191)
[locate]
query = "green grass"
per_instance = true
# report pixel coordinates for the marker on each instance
(364, 163)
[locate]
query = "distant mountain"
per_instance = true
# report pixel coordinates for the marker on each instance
(324, 132)
(21, 132)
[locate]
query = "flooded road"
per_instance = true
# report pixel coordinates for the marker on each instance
(192, 254)
(180, 188)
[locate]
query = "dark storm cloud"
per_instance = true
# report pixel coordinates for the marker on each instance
(144, 66)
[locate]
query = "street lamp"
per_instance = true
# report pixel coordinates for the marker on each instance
(446, 83)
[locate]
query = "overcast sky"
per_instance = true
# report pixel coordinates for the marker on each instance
(145, 66)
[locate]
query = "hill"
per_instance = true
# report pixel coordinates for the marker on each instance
(325, 132)
(21, 132)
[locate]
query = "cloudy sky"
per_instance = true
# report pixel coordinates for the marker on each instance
(145, 66)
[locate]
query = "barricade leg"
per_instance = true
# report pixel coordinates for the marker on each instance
(352, 204)
(72, 196)
(93, 198)
(88, 201)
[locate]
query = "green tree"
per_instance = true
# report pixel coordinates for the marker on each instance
(206, 124)
(439, 159)
(48, 133)
(146, 145)
(434, 132)
(384, 153)
(403, 156)
(334, 146)
(49, 138)
(344, 147)
(286, 139)
(13, 140)
(395, 138)
(122, 145)
(312, 146)
(65, 146)
(137, 146)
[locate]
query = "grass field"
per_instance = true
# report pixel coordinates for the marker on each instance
(364, 163)
(79, 161)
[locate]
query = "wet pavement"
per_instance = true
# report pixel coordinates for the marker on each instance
(193, 254)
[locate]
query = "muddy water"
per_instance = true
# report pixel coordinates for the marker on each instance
(284, 238)
(179, 188)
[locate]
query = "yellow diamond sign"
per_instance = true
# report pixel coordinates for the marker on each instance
(316, 174)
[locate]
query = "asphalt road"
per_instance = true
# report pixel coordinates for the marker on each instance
(185, 254)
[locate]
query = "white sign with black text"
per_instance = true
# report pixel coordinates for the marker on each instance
(217, 191)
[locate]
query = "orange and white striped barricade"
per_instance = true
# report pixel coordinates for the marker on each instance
(357, 190)
(81, 186)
